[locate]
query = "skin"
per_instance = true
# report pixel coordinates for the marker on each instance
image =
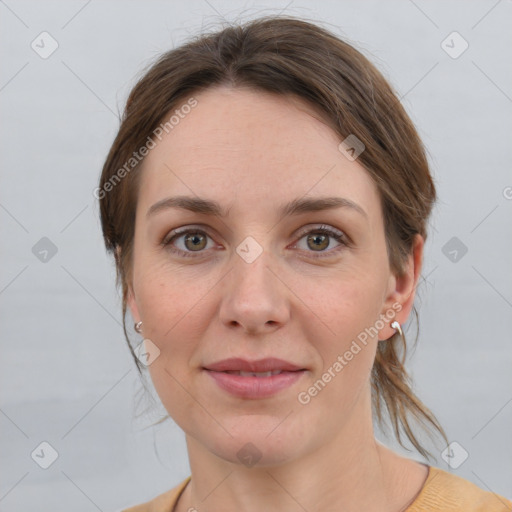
(252, 151)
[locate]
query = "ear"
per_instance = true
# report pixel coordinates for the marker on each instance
(130, 295)
(132, 304)
(402, 290)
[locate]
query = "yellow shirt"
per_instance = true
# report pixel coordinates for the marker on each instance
(441, 492)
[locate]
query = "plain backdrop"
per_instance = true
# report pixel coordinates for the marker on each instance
(67, 377)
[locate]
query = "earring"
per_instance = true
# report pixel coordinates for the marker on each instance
(396, 325)
(138, 327)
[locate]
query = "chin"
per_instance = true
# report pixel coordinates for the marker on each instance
(257, 453)
(256, 442)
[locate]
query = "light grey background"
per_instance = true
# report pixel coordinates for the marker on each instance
(66, 375)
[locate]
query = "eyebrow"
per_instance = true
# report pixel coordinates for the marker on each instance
(295, 207)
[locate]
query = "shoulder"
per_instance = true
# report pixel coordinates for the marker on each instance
(446, 492)
(163, 502)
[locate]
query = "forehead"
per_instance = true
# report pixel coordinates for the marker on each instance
(264, 148)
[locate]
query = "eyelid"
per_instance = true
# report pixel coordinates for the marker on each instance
(166, 243)
(340, 236)
(320, 227)
(184, 229)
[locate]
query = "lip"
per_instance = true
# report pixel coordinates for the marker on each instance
(252, 387)
(261, 365)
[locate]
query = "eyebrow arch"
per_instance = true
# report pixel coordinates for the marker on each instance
(295, 207)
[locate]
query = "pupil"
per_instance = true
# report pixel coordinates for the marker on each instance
(319, 241)
(195, 239)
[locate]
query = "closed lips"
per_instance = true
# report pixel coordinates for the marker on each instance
(254, 380)
(253, 374)
(260, 368)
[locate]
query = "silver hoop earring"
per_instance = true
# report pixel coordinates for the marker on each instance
(138, 327)
(396, 325)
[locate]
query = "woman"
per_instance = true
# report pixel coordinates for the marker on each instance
(266, 201)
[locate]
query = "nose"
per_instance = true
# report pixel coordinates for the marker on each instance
(254, 298)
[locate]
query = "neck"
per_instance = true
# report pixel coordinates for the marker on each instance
(349, 471)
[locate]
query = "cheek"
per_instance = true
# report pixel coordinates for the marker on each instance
(176, 315)
(350, 309)
(349, 302)
(180, 309)
(169, 296)
(173, 313)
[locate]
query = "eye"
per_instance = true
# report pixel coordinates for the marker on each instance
(189, 240)
(318, 240)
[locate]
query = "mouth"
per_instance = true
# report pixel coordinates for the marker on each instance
(254, 379)
(260, 366)
(253, 374)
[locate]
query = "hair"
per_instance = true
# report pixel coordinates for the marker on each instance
(288, 56)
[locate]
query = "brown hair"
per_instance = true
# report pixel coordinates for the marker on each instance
(288, 56)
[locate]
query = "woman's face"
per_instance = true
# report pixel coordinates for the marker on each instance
(256, 281)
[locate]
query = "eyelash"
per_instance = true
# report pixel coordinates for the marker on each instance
(324, 230)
